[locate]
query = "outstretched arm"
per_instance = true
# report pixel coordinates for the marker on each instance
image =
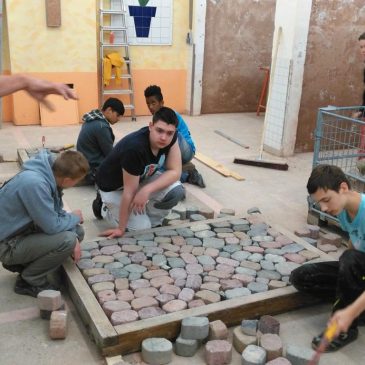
(36, 88)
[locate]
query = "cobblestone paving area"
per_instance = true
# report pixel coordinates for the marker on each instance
(171, 269)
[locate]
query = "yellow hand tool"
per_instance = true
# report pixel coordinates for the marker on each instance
(63, 148)
(328, 336)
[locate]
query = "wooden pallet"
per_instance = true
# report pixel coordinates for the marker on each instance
(127, 338)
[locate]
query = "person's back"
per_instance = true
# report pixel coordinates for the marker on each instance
(96, 137)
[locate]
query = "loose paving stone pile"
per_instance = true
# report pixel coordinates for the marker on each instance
(172, 269)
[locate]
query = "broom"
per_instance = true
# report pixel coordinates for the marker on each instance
(259, 160)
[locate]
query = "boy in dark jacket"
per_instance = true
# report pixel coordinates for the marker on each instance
(96, 137)
(36, 234)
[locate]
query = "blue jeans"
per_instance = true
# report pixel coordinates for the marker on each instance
(187, 153)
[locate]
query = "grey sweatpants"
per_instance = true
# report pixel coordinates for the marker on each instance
(40, 253)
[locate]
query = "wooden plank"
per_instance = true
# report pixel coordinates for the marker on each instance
(22, 156)
(216, 166)
(53, 13)
(90, 310)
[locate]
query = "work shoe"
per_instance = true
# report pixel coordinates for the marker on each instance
(97, 205)
(23, 288)
(195, 178)
(14, 268)
(342, 340)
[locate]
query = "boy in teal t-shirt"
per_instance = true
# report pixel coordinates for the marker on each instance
(342, 281)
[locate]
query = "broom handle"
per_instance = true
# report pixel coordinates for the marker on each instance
(272, 71)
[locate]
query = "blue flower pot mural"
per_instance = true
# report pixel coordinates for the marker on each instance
(142, 17)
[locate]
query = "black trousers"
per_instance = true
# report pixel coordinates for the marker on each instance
(340, 281)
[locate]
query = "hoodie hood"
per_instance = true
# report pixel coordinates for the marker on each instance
(95, 114)
(42, 164)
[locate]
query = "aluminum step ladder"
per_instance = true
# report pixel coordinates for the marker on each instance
(114, 38)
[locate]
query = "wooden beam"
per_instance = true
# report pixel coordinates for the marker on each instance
(216, 166)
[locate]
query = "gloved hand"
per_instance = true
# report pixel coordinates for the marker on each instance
(171, 198)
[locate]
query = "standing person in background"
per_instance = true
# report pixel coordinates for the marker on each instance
(190, 174)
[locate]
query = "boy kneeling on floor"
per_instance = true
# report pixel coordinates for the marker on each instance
(343, 280)
(36, 234)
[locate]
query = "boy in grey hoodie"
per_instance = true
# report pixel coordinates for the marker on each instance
(96, 137)
(36, 234)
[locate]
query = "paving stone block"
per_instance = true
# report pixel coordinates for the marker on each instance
(196, 303)
(210, 279)
(309, 255)
(88, 246)
(249, 326)
(146, 292)
(303, 232)
(180, 283)
(178, 240)
(124, 316)
(85, 264)
(108, 285)
(143, 302)
(174, 305)
(125, 295)
(272, 344)
(218, 330)
(197, 217)
(188, 258)
(268, 324)
(156, 351)
(154, 274)
(237, 292)
(218, 352)
(295, 257)
(204, 235)
(185, 232)
(185, 347)
(191, 209)
(178, 273)
(115, 306)
(194, 241)
(331, 239)
(276, 284)
(228, 284)
(106, 296)
(100, 278)
(206, 212)
(161, 280)
(110, 250)
(150, 312)
(58, 325)
(220, 274)
(170, 289)
(127, 241)
(263, 280)
(197, 251)
(195, 328)
(314, 230)
(285, 268)
(186, 294)
(49, 300)
(225, 268)
(241, 341)
(324, 247)
(311, 241)
(257, 287)
(180, 210)
(274, 258)
(132, 248)
(210, 251)
(298, 355)
(208, 296)
(188, 248)
(256, 257)
(193, 282)
(279, 361)
(253, 267)
(164, 298)
(253, 355)
(211, 286)
(94, 271)
(171, 216)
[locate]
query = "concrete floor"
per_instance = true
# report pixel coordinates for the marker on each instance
(280, 195)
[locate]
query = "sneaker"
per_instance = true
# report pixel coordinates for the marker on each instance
(23, 288)
(196, 179)
(97, 205)
(14, 268)
(342, 340)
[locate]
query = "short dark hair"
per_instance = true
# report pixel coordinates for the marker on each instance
(114, 104)
(326, 177)
(153, 90)
(362, 36)
(70, 164)
(166, 115)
